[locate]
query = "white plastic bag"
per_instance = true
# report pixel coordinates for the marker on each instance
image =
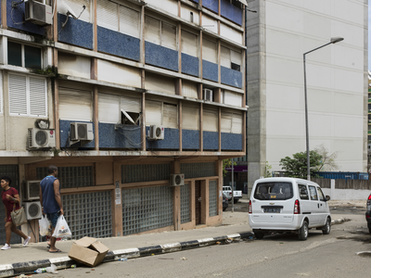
(62, 229)
(44, 225)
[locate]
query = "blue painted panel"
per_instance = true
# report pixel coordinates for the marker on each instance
(16, 19)
(190, 139)
(112, 136)
(170, 141)
(231, 12)
(211, 4)
(160, 56)
(231, 77)
(210, 71)
(190, 64)
(231, 141)
(119, 44)
(64, 135)
(196, 1)
(76, 32)
(210, 140)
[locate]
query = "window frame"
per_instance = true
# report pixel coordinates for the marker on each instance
(28, 97)
(315, 196)
(23, 55)
(302, 196)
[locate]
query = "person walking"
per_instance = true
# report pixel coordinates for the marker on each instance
(50, 199)
(11, 201)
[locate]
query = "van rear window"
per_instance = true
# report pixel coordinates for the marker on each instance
(273, 191)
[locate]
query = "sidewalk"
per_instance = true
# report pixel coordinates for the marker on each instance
(24, 260)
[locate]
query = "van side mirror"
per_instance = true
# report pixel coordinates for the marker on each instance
(327, 198)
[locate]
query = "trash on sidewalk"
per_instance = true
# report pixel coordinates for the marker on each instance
(50, 269)
(88, 250)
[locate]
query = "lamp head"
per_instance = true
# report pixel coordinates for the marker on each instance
(336, 39)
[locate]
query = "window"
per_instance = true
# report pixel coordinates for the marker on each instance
(210, 50)
(114, 109)
(231, 58)
(231, 122)
(24, 56)
(210, 119)
(160, 32)
(119, 18)
(313, 192)
(321, 194)
(274, 191)
(27, 95)
(191, 116)
(303, 192)
(161, 113)
(75, 104)
(189, 43)
(232, 98)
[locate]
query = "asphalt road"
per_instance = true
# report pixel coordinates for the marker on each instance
(333, 255)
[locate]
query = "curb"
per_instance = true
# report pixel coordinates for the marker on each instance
(14, 269)
(9, 270)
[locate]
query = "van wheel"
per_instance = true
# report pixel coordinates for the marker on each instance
(303, 231)
(327, 228)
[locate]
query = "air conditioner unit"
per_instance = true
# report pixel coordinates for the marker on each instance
(156, 132)
(177, 179)
(81, 132)
(208, 94)
(31, 190)
(41, 139)
(38, 13)
(33, 210)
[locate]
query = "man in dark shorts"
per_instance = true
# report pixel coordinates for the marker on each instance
(50, 198)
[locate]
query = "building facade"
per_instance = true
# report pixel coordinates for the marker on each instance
(278, 33)
(137, 103)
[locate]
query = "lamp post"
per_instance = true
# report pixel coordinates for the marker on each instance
(332, 41)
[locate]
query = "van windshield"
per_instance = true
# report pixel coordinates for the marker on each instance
(273, 191)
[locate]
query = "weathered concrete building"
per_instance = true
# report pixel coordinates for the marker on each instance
(137, 103)
(278, 33)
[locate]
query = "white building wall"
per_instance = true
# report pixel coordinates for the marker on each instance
(336, 79)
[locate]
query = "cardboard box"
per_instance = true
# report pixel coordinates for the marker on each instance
(88, 250)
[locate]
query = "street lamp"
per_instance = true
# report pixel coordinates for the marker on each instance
(332, 41)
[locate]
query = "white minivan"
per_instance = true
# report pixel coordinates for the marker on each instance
(288, 204)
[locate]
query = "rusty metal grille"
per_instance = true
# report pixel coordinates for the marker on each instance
(213, 198)
(146, 208)
(186, 204)
(145, 172)
(71, 177)
(196, 170)
(89, 214)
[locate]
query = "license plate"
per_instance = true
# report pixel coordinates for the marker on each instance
(272, 210)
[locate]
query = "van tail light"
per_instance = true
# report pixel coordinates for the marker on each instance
(296, 207)
(250, 208)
